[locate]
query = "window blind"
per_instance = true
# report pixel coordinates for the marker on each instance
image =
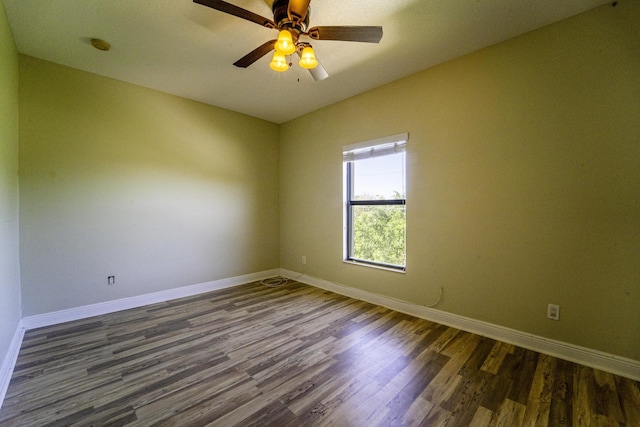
(375, 148)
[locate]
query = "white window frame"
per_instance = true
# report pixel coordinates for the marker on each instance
(360, 151)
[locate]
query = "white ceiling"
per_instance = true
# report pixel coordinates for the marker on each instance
(183, 48)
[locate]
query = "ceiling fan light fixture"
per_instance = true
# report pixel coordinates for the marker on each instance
(285, 43)
(291, 20)
(279, 62)
(308, 58)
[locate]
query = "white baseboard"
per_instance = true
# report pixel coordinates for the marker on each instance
(9, 362)
(625, 367)
(77, 313)
(600, 360)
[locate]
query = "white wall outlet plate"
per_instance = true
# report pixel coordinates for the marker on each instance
(553, 312)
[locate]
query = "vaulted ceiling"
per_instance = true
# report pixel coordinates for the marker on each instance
(186, 49)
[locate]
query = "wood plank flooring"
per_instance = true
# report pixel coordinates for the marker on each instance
(296, 356)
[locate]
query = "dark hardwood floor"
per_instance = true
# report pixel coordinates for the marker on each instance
(296, 356)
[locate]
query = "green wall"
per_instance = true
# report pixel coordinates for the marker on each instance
(116, 179)
(523, 183)
(10, 306)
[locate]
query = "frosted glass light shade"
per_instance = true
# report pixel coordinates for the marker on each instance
(279, 62)
(308, 58)
(285, 43)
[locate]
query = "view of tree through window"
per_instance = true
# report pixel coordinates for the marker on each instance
(376, 214)
(378, 234)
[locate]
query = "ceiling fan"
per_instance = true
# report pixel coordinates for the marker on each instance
(291, 19)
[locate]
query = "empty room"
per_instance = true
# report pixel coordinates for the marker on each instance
(313, 213)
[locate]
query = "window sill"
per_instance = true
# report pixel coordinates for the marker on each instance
(378, 267)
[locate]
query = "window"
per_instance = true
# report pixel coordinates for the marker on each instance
(375, 202)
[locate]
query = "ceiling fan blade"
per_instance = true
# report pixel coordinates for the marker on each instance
(255, 54)
(318, 73)
(298, 9)
(347, 33)
(225, 7)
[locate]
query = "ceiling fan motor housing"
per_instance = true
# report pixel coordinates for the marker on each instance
(281, 18)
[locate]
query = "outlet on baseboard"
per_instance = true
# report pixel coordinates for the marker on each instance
(553, 312)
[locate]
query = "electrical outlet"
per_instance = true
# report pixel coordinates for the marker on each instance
(553, 312)
(304, 259)
(111, 280)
